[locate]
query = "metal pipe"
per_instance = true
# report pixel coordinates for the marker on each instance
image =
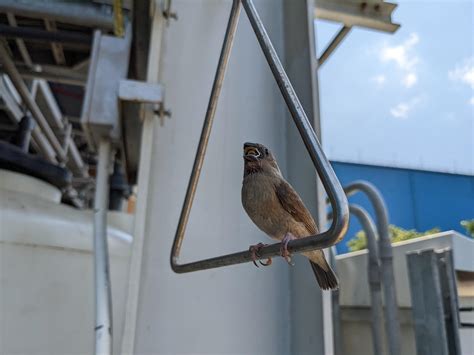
(336, 306)
(392, 324)
(373, 274)
(24, 93)
(325, 171)
(103, 297)
(334, 44)
(38, 34)
(78, 13)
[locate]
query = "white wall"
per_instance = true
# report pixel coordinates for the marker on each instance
(238, 309)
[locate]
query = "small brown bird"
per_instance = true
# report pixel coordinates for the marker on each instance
(275, 207)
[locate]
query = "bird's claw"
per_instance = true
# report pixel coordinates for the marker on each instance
(255, 252)
(284, 249)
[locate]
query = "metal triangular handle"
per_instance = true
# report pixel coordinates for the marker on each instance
(326, 173)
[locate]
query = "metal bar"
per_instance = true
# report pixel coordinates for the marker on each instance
(427, 303)
(37, 34)
(77, 13)
(23, 91)
(392, 323)
(450, 300)
(56, 48)
(374, 275)
(76, 79)
(344, 31)
(325, 171)
(335, 306)
(19, 42)
(103, 297)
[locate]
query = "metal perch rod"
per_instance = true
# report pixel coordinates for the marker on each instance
(329, 180)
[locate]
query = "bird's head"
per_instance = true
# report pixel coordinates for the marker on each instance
(259, 158)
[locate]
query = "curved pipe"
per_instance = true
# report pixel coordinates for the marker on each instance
(324, 169)
(373, 268)
(392, 324)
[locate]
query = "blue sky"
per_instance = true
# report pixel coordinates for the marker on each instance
(403, 99)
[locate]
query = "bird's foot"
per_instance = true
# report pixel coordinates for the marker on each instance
(255, 252)
(284, 248)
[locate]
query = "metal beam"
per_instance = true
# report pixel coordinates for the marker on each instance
(37, 34)
(56, 48)
(19, 42)
(139, 91)
(374, 14)
(72, 78)
(77, 12)
(344, 31)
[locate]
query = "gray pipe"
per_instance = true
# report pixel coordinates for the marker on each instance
(103, 297)
(392, 324)
(77, 13)
(374, 275)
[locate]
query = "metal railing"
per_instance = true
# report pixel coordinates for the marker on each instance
(392, 324)
(328, 177)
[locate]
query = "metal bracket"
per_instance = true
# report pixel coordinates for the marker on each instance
(326, 173)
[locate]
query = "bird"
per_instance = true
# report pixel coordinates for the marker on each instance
(277, 209)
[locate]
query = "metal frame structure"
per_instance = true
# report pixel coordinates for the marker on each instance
(329, 180)
(392, 324)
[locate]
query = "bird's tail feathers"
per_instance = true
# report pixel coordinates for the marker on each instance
(326, 278)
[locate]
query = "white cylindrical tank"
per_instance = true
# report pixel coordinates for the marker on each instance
(46, 270)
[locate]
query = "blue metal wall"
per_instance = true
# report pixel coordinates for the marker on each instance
(415, 199)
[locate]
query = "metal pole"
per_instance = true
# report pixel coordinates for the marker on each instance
(333, 45)
(103, 298)
(392, 324)
(374, 275)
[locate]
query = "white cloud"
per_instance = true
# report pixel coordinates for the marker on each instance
(403, 56)
(463, 72)
(379, 79)
(409, 80)
(471, 100)
(403, 109)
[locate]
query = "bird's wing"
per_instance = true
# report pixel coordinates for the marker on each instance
(293, 204)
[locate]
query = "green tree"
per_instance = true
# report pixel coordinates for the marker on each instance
(397, 234)
(469, 226)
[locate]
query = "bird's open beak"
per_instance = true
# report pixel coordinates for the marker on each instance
(249, 157)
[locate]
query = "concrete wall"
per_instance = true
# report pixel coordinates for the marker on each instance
(234, 310)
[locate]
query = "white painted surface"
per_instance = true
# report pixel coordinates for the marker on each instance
(25, 184)
(46, 274)
(238, 309)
